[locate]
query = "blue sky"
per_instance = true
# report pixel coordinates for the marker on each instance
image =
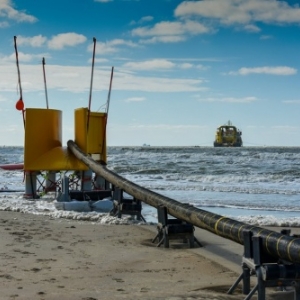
(181, 68)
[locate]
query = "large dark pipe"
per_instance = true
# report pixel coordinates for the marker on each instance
(275, 244)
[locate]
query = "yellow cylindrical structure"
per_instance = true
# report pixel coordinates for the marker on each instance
(43, 132)
(43, 142)
(90, 133)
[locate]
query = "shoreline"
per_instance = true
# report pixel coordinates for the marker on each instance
(47, 258)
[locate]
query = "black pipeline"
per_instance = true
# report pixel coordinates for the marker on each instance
(273, 243)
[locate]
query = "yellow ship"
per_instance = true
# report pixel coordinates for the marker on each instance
(228, 136)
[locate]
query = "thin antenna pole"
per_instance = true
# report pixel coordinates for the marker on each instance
(109, 91)
(43, 62)
(91, 86)
(17, 61)
(19, 78)
(107, 106)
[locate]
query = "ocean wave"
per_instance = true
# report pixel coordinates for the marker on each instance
(294, 209)
(173, 185)
(269, 221)
(247, 181)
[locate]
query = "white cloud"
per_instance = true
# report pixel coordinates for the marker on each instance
(199, 17)
(135, 99)
(22, 57)
(146, 19)
(7, 11)
(142, 20)
(241, 11)
(76, 79)
(266, 37)
(185, 66)
(161, 64)
(229, 99)
(171, 28)
(202, 67)
(163, 28)
(155, 64)
(129, 82)
(100, 60)
(252, 28)
(194, 28)
(35, 41)
(4, 24)
(63, 40)
(281, 70)
(164, 39)
(111, 46)
(170, 31)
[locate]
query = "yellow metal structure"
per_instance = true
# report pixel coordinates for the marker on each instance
(43, 142)
(90, 133)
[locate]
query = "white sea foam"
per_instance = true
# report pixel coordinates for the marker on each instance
(47, 207)
(269, 221)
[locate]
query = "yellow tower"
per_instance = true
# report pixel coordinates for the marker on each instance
(43, 142)
(90, 133)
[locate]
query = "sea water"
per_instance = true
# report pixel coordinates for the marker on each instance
(255, 185)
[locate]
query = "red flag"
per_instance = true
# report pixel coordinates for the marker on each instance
(20, 104)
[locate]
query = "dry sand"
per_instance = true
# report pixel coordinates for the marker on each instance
(43, 258)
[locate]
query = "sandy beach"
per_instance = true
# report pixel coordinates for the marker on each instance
(45, 258)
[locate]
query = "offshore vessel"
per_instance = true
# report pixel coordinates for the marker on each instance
(228, 136)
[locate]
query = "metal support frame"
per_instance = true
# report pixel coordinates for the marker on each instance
(30, 185)
(126, 206)
(269, 271)
(50, 182)
(86, 180)
(100, 183)
(95, 195)
(173, 229)
(67, 185)
(64, 194)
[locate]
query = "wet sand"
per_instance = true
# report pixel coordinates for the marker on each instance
(44, 258)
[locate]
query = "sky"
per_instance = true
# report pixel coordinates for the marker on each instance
(181, 68)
